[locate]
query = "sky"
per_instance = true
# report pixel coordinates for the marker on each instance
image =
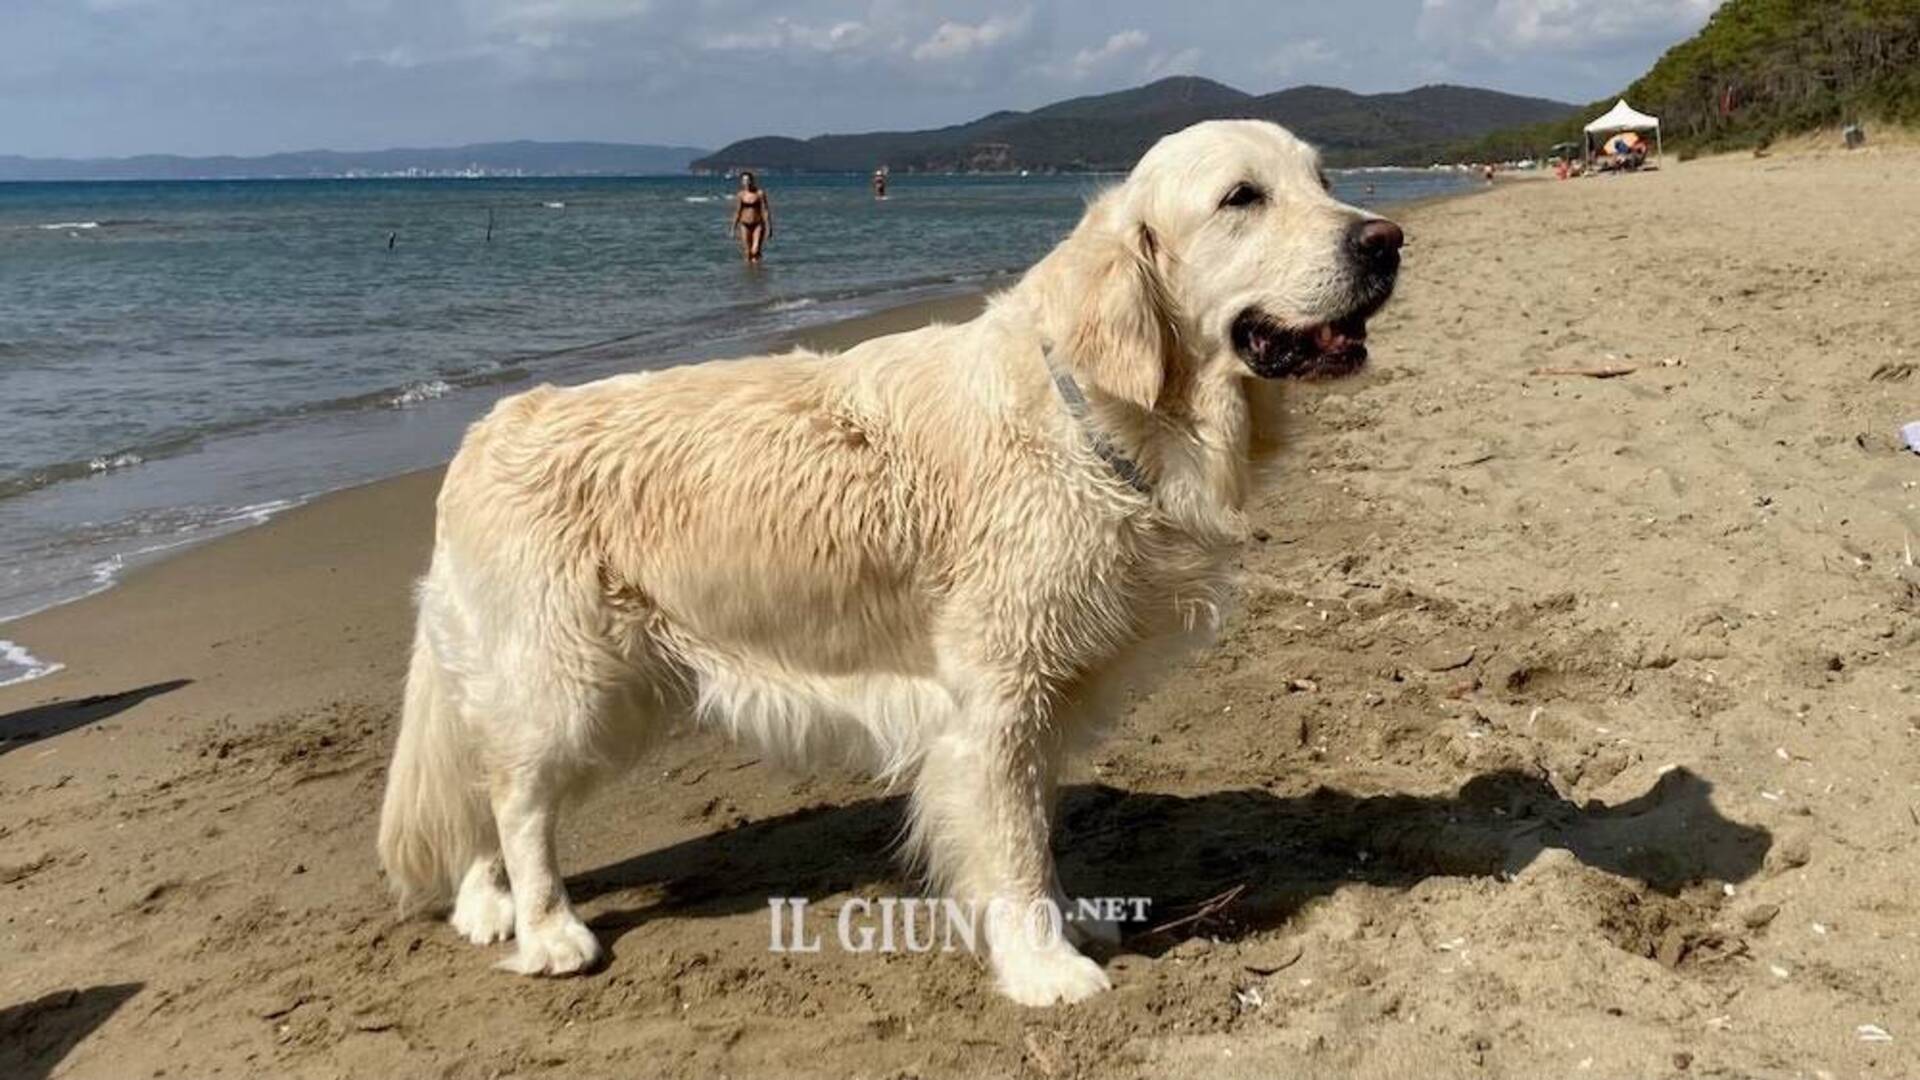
(88, 78)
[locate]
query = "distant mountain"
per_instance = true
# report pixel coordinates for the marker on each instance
(1760, 69)
(482, 159)
(1111, 131)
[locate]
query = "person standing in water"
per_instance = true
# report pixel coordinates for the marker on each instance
(880, 182)
(752, 217)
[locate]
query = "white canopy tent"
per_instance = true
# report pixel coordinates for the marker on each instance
(1624, 117)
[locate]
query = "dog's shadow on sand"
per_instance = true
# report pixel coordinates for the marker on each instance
(36, 1036)
(1269, 853)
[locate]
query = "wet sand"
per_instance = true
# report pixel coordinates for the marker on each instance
(1570, 726)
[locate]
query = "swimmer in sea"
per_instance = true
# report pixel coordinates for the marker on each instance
(752, 217)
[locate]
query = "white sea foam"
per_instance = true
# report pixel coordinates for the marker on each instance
(17, 665)
(72, 225)
(418, 392)
(554, 205)
(107, 463)
(702, 198)
(792, 305)
(105, 573)
(254, 514)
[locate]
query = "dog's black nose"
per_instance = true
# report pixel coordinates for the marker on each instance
(1377, 242)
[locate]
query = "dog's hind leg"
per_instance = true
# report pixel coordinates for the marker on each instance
(543, 750)
(483, 908)
(981, 820)
(551, 938)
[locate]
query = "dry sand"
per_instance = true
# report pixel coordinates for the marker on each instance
(1570, 728)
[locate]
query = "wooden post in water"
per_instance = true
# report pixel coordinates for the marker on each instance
(489, 224)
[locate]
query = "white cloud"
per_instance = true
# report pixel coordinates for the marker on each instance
(784, 33)
(1119, 44)
(953, 40)
(1497, 26)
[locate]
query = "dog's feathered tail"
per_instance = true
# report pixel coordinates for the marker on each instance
(435, 820)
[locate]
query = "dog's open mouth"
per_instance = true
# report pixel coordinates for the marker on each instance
(1273, 349)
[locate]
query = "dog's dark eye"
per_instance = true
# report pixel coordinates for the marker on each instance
(1244, 195)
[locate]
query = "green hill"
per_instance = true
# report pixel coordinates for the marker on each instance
(1111, 131)
(1758, 70)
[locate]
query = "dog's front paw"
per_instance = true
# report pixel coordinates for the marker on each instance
(560, 946)
(1052, 976)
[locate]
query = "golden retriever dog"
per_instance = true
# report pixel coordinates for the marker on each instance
(943, 553)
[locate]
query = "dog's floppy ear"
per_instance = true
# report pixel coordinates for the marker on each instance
(1122, 337)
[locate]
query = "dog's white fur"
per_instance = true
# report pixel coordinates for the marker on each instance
(906, 553)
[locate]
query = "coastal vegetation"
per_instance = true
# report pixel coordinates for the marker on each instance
(1759, 70)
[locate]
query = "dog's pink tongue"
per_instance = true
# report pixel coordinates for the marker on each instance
(1335, 337)
(1328, 338)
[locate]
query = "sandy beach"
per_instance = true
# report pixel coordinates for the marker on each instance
(1570, 726)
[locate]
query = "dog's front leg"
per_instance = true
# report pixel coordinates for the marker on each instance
(981, 817)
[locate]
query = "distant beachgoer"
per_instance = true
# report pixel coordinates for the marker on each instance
(1489, 173)
(752, 217)
(879, 183)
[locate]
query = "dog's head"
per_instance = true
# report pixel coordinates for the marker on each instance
(1225, 247)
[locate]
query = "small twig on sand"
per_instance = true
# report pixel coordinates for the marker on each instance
(1589, 372)
(1207, 908)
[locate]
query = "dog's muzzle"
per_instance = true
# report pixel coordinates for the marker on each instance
(1273, 348)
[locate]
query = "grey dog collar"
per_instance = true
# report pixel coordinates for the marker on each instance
(1076, 401)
